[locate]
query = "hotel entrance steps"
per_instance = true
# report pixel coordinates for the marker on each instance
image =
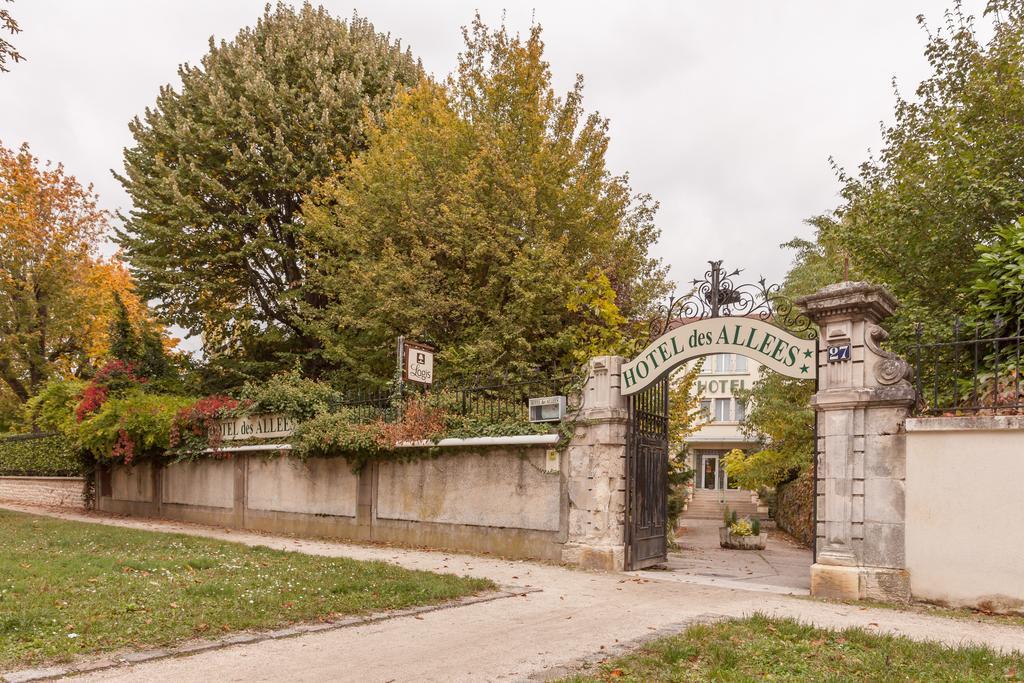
(709, 504)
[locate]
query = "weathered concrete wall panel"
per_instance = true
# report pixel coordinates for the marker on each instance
(499, 488)
(318, 486)
(133, 483)
(964, 531)
(206, 482)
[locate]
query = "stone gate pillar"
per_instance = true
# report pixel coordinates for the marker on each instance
(861, 405)
(596, 472)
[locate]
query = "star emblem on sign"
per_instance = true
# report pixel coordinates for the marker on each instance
(807, 353)
(804, 368)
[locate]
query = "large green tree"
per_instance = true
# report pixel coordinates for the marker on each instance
(220, 165)
(482, 218)
(950, 170)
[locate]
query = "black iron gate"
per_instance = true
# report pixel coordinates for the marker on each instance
(647, 476)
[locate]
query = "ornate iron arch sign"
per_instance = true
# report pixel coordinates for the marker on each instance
(767, 344)
(752, 320)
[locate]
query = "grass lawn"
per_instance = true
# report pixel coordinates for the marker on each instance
(760, 648)
(69, 588)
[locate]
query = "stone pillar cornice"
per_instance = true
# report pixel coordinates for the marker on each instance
(849, 299)
(838, 399)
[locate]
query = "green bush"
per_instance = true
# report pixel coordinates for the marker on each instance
(46, 455)
(291, 394)
(134, 425)
(53, 408)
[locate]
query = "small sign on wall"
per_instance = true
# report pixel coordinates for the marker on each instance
(419, 363)
(256, 427)
(838, 353)
(551, 462)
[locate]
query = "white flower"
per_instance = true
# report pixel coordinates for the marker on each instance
(72, 635)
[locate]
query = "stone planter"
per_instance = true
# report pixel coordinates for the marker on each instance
(728, 540)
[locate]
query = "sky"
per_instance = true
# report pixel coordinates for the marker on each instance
(727, 113)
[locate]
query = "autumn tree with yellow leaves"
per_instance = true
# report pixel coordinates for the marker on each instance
(56, 291)
(482, 218)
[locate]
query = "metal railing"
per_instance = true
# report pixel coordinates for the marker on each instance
(978, 370)
(493, 400)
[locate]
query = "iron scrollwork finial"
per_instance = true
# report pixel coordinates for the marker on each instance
(718, 295)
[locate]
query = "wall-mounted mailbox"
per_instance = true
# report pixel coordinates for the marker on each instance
(547, 409)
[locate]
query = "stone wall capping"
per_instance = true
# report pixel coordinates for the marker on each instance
(963, 423)
(874, 302)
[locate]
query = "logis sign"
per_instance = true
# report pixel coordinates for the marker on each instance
(419, 363)
(756, 339)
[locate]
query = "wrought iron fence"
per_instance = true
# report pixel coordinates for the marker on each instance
(975, 371)
(492, 400)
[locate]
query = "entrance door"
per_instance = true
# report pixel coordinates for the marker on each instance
(647, 477)
(711, 471)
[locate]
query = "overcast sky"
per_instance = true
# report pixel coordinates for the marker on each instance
(726, 112)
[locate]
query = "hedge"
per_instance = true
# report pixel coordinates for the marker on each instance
(41, 455)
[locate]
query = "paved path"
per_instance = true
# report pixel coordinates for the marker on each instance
(575, 616)
(782, 567)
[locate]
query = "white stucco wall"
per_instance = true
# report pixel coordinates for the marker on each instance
(499, 488)
(964, 511)
(321, 486)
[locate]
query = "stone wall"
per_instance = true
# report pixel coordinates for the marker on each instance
(518, 499)
(505, 488)
(794, 508)
(49, 491)
(502, 500)
(964, 521)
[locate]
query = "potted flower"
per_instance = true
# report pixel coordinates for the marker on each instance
(741, 533)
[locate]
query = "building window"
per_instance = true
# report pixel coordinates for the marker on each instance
(722, 409)
(741, 363)
(741, 410)
(705, 408)
(722, 362)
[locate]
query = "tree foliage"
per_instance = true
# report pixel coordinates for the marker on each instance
(141, 345)
(55, 290)
(219, 168)
(7, 50)
(951, 169)
(781, 420)
(482, 217)
(998, 287)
